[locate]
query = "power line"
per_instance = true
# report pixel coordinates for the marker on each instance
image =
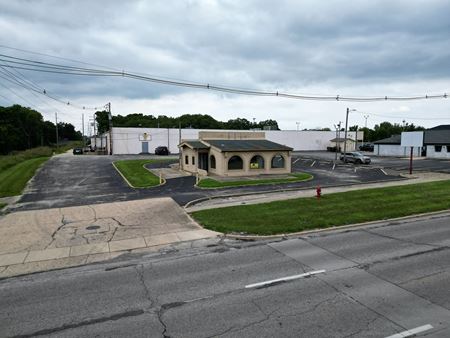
(40, 66)
(407, 117)
(35, 88)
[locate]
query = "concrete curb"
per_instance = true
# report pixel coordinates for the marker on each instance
(253, 185)
(199, 200)
(342, 227)
(132, 186)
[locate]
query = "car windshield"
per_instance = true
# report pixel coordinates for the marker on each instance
(357, 153)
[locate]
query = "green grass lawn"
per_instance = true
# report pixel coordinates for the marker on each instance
(331, 210)
(14, 178)
(294, 177)
(136, 174)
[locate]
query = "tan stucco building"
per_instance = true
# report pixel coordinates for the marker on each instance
(234, 154)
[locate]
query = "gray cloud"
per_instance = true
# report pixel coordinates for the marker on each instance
(289, 45)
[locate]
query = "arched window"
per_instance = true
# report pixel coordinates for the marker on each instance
(278, 161)
(257, 162)
(212, 162)
(235, 163)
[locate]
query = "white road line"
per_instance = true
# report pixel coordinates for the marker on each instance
(412, 332)
(383, 171)
(313, 163)
(284, 279)
(296, 160)
(334, 165)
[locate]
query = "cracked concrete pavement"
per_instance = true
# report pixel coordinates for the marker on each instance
(380, 280)
(34, 240)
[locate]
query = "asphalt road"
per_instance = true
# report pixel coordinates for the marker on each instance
(79, 180)
(379, 280)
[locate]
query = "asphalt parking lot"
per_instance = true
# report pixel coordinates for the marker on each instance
(394, 163)
(69, 180)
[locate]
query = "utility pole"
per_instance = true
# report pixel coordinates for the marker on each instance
(346, 129)
(56, 121)
(168, 139)
(298, 125)
(82, 130)
(179, 142)
(110, 128)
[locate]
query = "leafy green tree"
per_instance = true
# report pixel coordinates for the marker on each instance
(24, 128)
(238, 123)
(268, 123)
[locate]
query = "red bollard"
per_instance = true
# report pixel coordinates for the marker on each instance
(318, 191)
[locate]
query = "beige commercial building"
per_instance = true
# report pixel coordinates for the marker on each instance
(234, 154)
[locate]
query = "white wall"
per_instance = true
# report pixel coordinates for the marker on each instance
(394, 150)
(444, 153)
(129, 140)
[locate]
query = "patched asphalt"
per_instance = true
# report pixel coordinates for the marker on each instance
(79, 180)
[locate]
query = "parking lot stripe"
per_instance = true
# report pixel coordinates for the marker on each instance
(284, 279)
(412, 332)
(313, 163)
(296, 160)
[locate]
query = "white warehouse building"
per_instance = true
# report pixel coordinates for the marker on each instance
(145, 140)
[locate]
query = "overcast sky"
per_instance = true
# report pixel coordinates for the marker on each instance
(359, 48)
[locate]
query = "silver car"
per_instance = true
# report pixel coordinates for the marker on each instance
(355, 157)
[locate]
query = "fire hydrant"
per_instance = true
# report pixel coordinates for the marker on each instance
(318, 191)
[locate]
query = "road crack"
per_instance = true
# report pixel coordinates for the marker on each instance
(132, 313)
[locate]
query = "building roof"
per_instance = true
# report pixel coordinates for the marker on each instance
(341, 139)
(394, 139)
(436, 136)
(194, 144)
(247, 145)
(441, 127)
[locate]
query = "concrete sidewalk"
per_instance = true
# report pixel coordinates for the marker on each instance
(40, 240)
(227, 201)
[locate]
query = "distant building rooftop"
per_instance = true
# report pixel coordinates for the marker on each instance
(247, 145)
(394, 139)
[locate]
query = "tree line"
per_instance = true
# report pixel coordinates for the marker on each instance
(24, 128)
(196, 121)
(385, 130)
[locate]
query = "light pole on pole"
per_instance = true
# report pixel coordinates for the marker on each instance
(337, 127)
(365, 126)
(345, 134)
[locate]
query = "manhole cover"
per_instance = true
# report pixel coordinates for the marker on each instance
(93, 227)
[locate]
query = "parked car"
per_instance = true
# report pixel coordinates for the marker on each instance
(78, 151)
(366, 147)
(355, 157)
(161, 150)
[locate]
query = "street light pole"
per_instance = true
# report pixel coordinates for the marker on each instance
(365, 127)
(338, 134)
(345, 134)
(298, 125)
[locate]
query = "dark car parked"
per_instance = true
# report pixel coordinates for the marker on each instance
(162, 150)
(366, 147)
(78, 151)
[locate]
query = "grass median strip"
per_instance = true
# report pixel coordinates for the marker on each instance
(331, 210)
(14, 178)
(211, 183)
(136, 174)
